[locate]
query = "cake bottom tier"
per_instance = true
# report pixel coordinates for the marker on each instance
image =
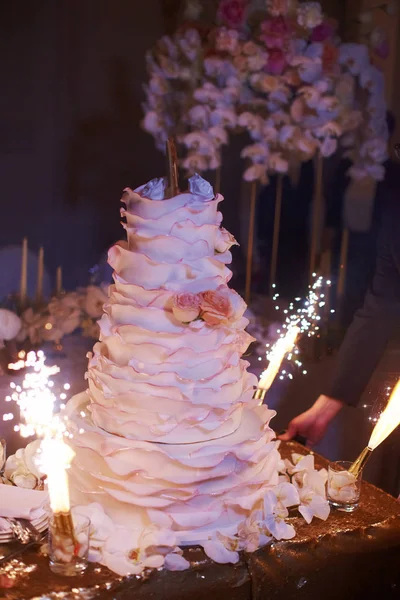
(350, 556)
(191, 489)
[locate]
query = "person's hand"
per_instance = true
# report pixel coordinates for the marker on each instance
(313, 423)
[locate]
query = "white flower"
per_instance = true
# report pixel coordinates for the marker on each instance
(253, 123)
(313, 505)
(277, 8)
(256, 172)
(373, 80)
(328, 146)
(10, 325)
(208, 93)
(94, 300)
(195, 162)
(376, 149)
(101, 527)
(199, 116)
(274, 517)
(277, 163)
(227, 40)
(199, 141)
(21, 467)
(152, 122)
(201, 187)
(223, 116)
(158, 85)
(256, 152)
(309, 15)
(222, 550)
(218, 135)
(354, 56)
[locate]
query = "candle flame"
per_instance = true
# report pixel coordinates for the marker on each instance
(56, 457)
(282, 347)
(388, 421)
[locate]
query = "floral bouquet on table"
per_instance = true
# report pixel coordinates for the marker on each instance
(282, 75)
(63, 315)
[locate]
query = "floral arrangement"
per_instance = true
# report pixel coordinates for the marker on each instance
(63, 315)
(280, 74)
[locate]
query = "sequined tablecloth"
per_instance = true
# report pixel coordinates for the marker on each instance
(348, 557)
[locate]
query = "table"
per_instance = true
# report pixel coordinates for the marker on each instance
(350, 556)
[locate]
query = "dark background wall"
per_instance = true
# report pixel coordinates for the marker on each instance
(70, 112)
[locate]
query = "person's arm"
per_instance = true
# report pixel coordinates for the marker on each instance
(361, 350)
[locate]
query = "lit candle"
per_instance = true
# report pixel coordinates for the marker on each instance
(59, 281)
(282, 347)
(23, 290)
(40, 273)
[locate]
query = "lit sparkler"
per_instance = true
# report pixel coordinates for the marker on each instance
(301, 318)
(386, 424)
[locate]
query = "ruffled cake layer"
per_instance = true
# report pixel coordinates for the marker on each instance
(191, 489)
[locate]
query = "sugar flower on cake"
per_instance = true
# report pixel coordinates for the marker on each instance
(221, 306)
(309, 15)
(154, 189)
(201, 187)
(186, 306)
(276, 511)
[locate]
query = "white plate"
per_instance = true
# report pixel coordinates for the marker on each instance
(40, 524)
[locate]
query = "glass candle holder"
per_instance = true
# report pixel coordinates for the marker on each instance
(68, 550)
(344, 488)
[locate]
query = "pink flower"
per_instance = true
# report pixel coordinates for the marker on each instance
(277, 7)
(275, 32)
(186, 307)
(276, 62)
(221, 306)
(232, 12)
(227, 40)
(323, 31)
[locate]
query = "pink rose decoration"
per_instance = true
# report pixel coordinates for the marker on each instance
(232, 12)
(276, 62)
(323, 32)
(275, 32)
(221, 306)
(186, 307)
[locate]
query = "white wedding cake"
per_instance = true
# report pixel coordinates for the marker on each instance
(168, 438)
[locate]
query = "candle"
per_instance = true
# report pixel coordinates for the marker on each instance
(40, 273)
(59, 281)
(282, 347)
(24, 274)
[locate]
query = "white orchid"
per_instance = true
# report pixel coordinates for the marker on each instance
(223, 549)
(275, 514)
(313, 505)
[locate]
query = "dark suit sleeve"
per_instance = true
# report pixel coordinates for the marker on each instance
(372, 327)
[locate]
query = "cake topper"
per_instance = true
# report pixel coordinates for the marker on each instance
(173, 188)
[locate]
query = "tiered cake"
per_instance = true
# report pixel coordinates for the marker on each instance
(168, 435)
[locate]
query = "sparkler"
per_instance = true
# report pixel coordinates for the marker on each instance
(37, 401)
(301, 318)
(386, 424)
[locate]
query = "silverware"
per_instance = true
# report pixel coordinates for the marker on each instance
(19, 530)
(22, 549)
